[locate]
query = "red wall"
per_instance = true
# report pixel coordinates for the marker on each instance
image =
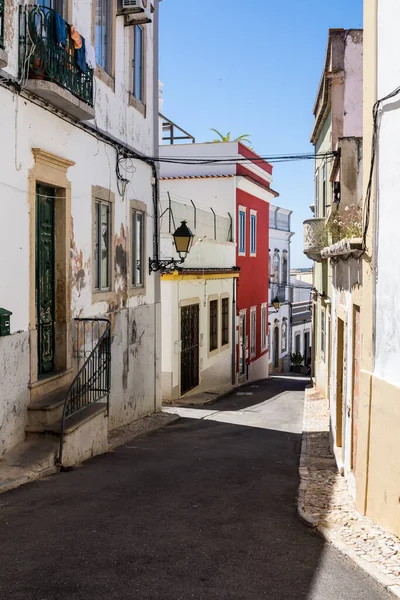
(253, 278)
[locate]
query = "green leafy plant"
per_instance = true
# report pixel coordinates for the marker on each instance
(245, 137)
(296, 358)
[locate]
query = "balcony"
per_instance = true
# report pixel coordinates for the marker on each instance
(3, 53)
(49, 69)
(315, 238)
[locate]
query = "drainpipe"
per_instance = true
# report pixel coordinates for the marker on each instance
(156, 168)
(234, 331)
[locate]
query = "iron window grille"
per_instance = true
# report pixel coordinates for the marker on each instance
(225, 322)
(102, 245)
(213, 325)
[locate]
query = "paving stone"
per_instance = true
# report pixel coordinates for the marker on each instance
(325, 496)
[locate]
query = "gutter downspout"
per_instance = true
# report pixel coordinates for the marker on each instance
(233, 331)
(156, 170)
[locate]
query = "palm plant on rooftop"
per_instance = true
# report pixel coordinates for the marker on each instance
(244, 138)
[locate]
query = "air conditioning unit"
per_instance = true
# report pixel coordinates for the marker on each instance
(135, 11)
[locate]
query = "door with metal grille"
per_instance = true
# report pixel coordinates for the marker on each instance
(45, 278)
(189, 348)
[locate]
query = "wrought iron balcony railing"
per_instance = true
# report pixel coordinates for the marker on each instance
(2, 24)
(41, 57)
(315, 238)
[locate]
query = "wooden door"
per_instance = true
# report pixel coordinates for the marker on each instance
(356, 385)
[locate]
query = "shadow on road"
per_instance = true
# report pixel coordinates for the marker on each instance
(202, 510)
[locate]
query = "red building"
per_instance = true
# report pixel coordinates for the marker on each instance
(253, 195)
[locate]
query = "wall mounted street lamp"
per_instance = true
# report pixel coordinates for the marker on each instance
(183, 240)
(276, 303)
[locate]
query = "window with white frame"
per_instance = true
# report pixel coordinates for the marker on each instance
(322, 334)
(104, 34)
(137, 250)
(264, 325)
(253, 233)
(316, 193)
(138, 71)
(253, 331)
(284, 335)
(242, 231)
(102, 245)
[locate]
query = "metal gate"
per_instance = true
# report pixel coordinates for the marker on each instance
(190, 347)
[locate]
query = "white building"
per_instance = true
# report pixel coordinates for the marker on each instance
(301, 281)
(77, 222)
(279, 338)
(198, 300)
(302, 329)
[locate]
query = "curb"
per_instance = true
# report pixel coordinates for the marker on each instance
(329, 536)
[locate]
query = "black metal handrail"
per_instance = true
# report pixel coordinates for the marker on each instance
(93, 380)
(2, 24)
(41, 57)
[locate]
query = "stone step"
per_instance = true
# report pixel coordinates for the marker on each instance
(48, 410)
(85, 434)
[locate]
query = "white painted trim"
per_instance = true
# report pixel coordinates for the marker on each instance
(253, 213)
(242, 209)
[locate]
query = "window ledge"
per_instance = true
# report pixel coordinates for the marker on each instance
(137, 291)
(104, 296)
(103, 76)
(213, 352)
(138, 104)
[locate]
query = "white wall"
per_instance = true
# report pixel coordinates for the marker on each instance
(215, 368)
(353, 77)
(136, 348)
(387, 314)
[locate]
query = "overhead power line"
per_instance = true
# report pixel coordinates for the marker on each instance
(273, 158)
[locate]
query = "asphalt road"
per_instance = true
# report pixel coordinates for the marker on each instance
(205, 509)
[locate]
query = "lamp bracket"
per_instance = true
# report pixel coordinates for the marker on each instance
(167, 264)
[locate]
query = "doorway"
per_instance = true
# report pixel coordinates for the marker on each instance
(242, 344)
(276, 348)
(306, 347)
(339, 383)
(190, 347)
(356, 385)
(45, 278)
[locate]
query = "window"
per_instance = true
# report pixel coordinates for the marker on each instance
(284, 335)
(269, 341)
(225, 322)
(284, 268)
(137, 250)
(297, 343)
(264, 325)
(322, 334)
(324, 189)
(242, 231)
(138, 70)
(253, 331)
(276, 266)
(102, 243)
(57, 5)
(253, 232)
(213, 325)
(103, 33)
(317, 193)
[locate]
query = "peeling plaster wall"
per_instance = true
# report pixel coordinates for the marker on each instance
(14, 396)
(136, 365)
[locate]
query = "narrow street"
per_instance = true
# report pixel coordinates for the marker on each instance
(204, 509)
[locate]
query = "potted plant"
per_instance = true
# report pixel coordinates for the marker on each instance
(297, 360)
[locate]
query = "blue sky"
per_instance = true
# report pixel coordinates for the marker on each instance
(252, 67)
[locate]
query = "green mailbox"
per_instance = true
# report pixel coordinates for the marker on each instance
(5, 321)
